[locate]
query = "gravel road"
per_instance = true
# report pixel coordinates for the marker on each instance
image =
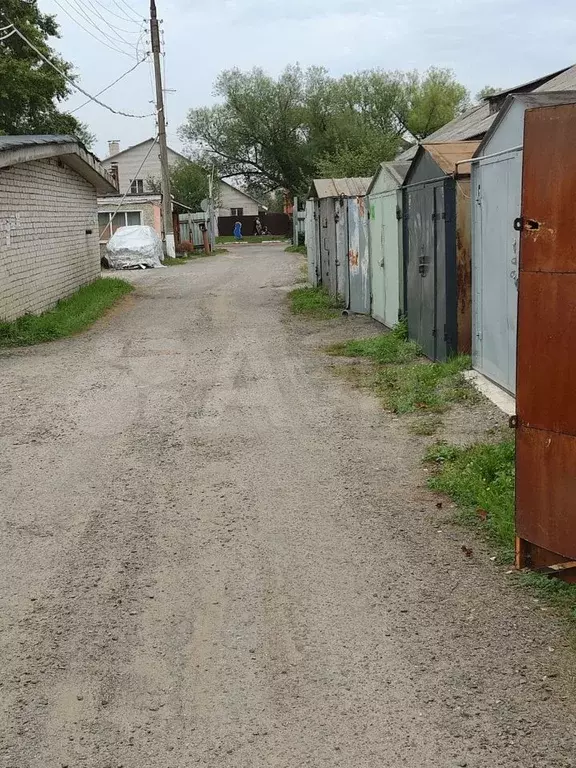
(214, 552)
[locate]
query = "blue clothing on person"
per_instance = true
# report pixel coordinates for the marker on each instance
(238, 230)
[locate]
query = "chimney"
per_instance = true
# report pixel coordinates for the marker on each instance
(113, 147)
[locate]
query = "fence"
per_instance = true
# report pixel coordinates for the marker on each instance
(279, 224)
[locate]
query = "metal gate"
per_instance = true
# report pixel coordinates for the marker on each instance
(358, 261)
(546, 373)
(342, 274)
(377, 270)
(497, 184)
(328, 245)
(312, 243)
(425, 265)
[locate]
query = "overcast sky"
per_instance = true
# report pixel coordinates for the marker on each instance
(485, 42)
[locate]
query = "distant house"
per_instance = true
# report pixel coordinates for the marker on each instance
(48, 220)
(134, 167)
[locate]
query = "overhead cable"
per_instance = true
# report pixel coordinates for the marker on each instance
(111, 44)
(72, 111)
(125, 17)
(73, 84)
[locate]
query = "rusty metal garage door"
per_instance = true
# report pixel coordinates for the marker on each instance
(546, 373)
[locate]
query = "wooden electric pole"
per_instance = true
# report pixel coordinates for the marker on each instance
(161, 117)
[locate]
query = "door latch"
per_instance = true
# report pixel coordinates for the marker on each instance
(522, 224)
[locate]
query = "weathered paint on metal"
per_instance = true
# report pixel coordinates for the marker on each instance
(546, 380)
(463, 268)
(328, 244)
(420, 268)
(312, 242)
(358, 261)
(496, 191)
(377, 264)
(342, 273)
(442, 249)
(385, 245)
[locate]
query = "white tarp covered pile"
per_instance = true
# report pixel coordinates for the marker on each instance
(134, 248)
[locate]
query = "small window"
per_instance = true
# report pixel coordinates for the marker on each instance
(121, 219)
(236, 211)
(137, 187)
(118, 221)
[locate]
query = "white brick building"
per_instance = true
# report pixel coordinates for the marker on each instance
(49, 239)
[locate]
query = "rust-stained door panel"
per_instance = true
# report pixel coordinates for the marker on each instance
(549, 190)
(547, 351)
(546, 504)
(546, 369)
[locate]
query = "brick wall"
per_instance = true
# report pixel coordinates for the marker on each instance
(45, 253)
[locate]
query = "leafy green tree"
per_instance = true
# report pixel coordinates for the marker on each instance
(188, 184)
(257, 132)
(30, 89)
(281, 133)
(428, 102)
(486, 92)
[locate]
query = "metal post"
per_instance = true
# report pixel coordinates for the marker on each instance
(211, 210)
(295, 221)
(161, 115)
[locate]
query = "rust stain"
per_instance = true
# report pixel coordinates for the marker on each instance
(546, 380)
(353, 257)
(361, 206)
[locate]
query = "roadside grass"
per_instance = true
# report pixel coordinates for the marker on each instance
(69, 316)
(403, 380)
(480, 479)
(252, 239)
(314, 303)
(296, 249)
(423, 387)
(185, 259)
(392, 347)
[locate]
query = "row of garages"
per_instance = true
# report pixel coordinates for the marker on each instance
(434, 240)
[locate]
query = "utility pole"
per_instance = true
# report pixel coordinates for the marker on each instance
(161, 116)
(211, 209)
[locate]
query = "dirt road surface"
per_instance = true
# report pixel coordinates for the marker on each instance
(213, 552)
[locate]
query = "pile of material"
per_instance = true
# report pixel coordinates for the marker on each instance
(134, 248)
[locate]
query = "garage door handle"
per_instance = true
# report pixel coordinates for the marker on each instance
(520, 224)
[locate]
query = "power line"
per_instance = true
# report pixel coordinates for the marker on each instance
(113, 47)
(116, 40)
(72, 83)
(128, 6)
(113, 13)
(71, 112)
(94, 3)
(116, 30)
(6, 36)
